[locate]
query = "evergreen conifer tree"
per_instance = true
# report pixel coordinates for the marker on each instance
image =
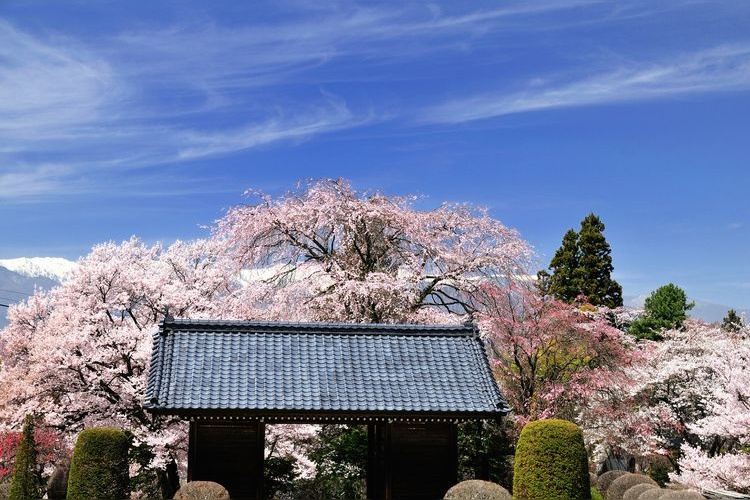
(26, 483)
(731, 322)
(562, 283)
(665, 309)
(583, 266)
(595, 265)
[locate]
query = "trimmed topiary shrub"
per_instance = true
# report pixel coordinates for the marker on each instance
(682, 495)
(654, 494)
(25, 483)
(99, 468)
(476, 489)
(205, 490)
(604, 480)
(551, 462)
(623, 483)
(635, 491)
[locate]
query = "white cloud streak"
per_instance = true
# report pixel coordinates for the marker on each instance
(137, 98)
(46, 90)
(720, 69)
(164, 95)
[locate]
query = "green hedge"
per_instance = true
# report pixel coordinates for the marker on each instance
(99, 468)
(551, 462)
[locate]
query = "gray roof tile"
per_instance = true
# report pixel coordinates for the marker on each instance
(324, 368)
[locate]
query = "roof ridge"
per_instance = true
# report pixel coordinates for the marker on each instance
(185, 324)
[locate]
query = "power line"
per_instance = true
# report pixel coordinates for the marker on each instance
(4, 305)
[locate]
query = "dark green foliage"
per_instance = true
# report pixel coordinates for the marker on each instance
(150, 482)
(485, 451)
(731, 322)
(665, 309)
(340, 458)
(99, 468)
(583, 266)
(278, 476)
(595, 265)
(146, 481)
(26, 483)
(543, 283)
(563, 282)
(551, 462)
(658, 469)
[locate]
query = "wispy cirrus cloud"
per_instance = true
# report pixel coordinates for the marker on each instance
(170, 93)
(720, 69)
(333, 115)
(202, 87)
(47, 90)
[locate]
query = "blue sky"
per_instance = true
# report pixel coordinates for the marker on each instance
(151, 118)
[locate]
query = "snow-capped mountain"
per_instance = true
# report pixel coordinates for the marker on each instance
(54, 268)
(20, 277)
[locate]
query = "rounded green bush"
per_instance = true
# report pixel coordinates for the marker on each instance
(619, 486)
(551, 462)
(476, 489)
(99, 468)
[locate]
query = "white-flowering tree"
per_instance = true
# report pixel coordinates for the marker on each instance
(78, 355)
(343, 255)
(690, 400)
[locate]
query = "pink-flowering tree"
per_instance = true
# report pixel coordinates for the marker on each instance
(552, 360)
(79, 354)
(327, 252)
(338, 254)
(50, 449)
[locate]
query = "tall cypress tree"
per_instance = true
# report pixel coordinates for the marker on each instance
(26, 483)
(583, 265)
(563, 283)
(595, 265)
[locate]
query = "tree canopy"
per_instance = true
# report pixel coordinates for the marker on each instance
(79, 354)
(583, 266)
(665, 309)
(732, 322)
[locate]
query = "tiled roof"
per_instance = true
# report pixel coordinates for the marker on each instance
(254, 368)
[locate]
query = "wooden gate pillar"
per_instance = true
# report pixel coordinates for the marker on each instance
(229, 453)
